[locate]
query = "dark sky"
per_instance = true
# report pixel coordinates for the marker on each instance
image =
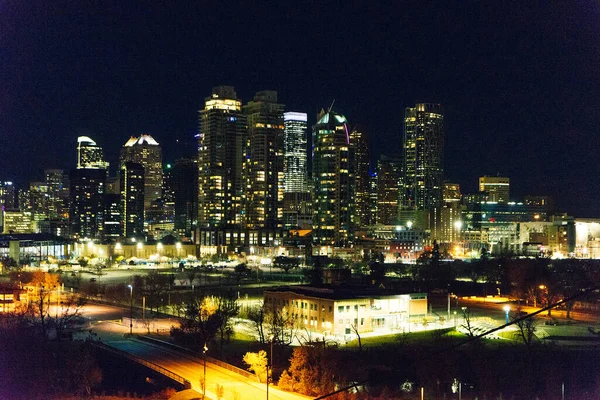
(518, 80)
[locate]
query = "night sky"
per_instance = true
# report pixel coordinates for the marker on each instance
(518, 80)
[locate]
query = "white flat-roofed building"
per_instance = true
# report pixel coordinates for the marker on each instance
(339, 310)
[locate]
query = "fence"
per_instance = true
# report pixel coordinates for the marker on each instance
(163, 371)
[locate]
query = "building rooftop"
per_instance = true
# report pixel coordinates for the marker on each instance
(85, 139)
(140, 141)
(344, 292)
(31, 237)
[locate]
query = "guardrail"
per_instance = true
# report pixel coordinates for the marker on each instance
(163, 371)
(198, 358)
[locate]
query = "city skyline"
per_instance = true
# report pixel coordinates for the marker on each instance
(513, 106)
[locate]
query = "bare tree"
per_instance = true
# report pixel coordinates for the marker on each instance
(68, 311)
(191, 274)
(257, 315)
(227, 309)
(468, 323)
(282, 324)
(526, 326)
(355, 329)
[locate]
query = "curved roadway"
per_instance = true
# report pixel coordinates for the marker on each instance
(235, 387)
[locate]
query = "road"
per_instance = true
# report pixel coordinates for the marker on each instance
(556, 313)
(235, 387)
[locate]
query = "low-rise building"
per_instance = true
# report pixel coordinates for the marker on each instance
(10, 296)
(342, 310)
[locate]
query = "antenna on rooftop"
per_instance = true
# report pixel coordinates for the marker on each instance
(331, 106)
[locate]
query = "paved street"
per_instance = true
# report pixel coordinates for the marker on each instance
(235, 387)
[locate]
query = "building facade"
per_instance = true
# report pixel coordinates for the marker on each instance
(333, 177)
(295, 157)
(339, 312)
(87, 202)
(185, 174)
(297, 196)
(221, 142)
(132, 199)
(423, 150)
(146, 151)
(388, 189)
(362, 160)
(89, 154)
(496, 187)
(263, 162)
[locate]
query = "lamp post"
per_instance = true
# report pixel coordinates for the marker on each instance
(269, 364)
(57, 300)
(204, 350)
(130, 309)
(506, 309)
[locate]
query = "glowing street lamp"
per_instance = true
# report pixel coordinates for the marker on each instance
(204, 350)
(130, 309)
(506, 309)
(270, 364)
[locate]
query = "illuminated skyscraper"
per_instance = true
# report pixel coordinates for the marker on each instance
(185, 173)
(58, 191)
(295, 173)
(497, 188)
(221, 142)
(89, 154)
(87, 202)
(388, 190)
(446, 222)
(132, 199)
(333, 177)
(360, 144)
(147, 152)
(7, 198)
(451, 192)
(297, 197)
(423, 157)
(263, 162)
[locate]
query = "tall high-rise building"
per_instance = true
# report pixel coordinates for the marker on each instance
(497, 188)
(263, 163)
(87, 202)
(132, 199)
(297, 197)
(185, 175)
(147, 152)
(112, 215)
(89, 154)
(388, 189)
(360, 143)
(333, 175)
(58, 192)
(423, 172)
(221, 141)
(451, 192)
(295, 171)
(446, 221)
(7, 198)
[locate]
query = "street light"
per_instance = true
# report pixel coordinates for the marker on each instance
(269, 364)
(204, 350)
(130, 309)
(506, 309)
